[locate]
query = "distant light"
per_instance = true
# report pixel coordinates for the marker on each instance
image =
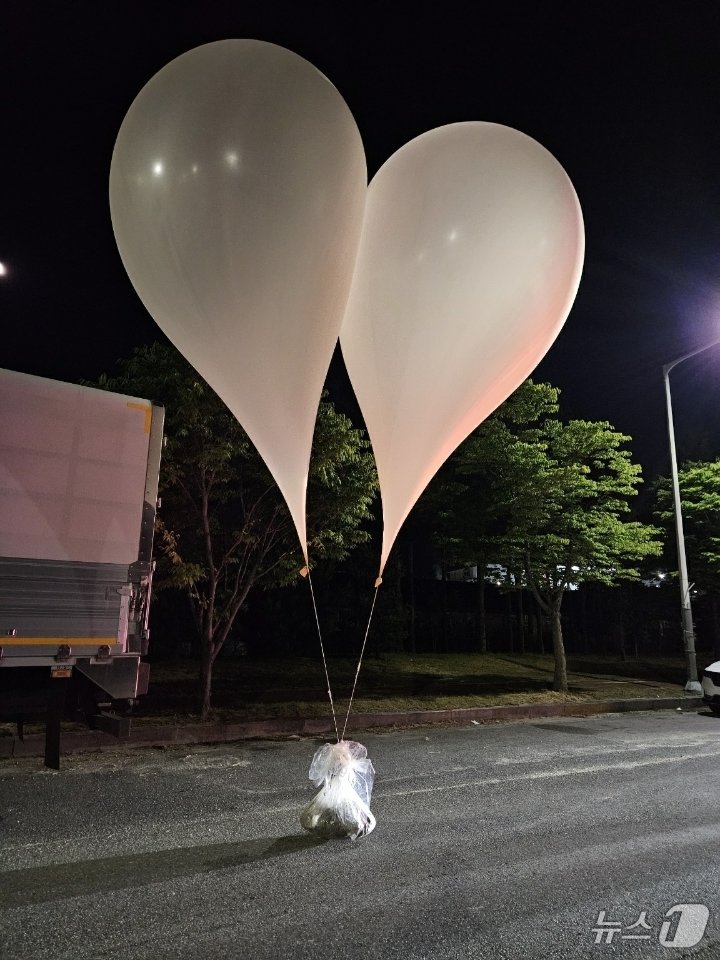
(232, 159)
(452, 236)
(158, 168)
(195, 168)
(3, 270)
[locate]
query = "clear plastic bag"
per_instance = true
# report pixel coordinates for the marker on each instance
(345, 776)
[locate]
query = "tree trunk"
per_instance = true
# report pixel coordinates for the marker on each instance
(540, 630)
(621, 639)
(206, 666)
(444, 632)
(532, 627)
(482, 619)
(521, 622)
(196, 639)
(716, 628)
(560, 679)
(411, 595)
(511, 633)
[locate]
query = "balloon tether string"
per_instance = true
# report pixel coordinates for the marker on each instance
(362, 651)
(322, 651)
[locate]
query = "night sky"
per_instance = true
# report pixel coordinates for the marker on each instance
(626, 96)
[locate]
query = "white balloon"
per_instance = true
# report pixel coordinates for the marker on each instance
(469, 262)
(237, 190)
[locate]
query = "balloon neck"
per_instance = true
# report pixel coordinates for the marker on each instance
(378, 581)
(304, 571)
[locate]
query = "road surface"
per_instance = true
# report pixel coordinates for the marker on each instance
(494, 842)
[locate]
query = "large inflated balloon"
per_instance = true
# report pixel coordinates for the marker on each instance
(237, 190)
(469, 262)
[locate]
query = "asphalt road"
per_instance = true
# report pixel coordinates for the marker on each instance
(501, 842)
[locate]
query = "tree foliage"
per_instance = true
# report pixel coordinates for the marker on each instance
(547, 500)
(470, 498)
(700, 499)
(224, 528)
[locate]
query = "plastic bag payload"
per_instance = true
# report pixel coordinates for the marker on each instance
(341, 807)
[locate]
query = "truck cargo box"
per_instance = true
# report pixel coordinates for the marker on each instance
(78, 492)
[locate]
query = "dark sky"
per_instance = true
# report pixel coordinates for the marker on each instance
(626, 95)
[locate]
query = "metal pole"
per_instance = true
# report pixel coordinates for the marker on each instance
(692, 685)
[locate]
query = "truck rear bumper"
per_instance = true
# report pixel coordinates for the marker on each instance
(123, 677)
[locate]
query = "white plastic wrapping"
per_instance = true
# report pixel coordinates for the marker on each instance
(345, 776)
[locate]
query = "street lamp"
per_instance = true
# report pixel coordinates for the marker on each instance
(692, 685)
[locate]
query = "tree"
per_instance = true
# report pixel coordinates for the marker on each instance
(469, 500)
(568, 523)
(224, 528)
(549, 501)
(700, 499)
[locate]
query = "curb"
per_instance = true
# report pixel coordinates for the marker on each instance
(164, 736)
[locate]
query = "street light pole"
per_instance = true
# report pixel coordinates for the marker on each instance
(692, 685)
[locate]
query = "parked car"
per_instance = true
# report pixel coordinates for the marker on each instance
(711, 686)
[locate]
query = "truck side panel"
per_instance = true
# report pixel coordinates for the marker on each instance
(79, 474)
(73, 471)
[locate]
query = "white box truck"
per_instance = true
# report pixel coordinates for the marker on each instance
(78, 492)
